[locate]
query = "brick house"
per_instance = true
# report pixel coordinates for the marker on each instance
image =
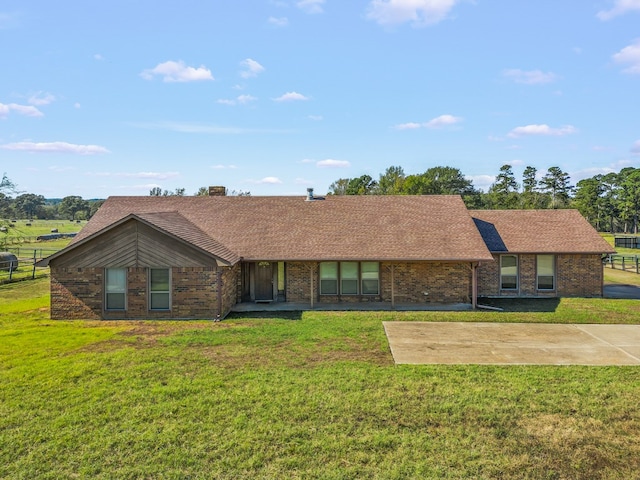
(540, 253)
(197, 257)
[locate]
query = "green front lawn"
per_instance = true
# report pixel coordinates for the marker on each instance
(311, 395)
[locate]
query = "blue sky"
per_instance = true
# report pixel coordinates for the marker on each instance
(115, 98)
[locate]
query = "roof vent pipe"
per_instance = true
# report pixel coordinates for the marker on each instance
(309, 194)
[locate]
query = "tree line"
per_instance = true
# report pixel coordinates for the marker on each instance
(15, 204)
(609, 202)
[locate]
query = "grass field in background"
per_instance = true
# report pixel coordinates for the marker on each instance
(302, 395)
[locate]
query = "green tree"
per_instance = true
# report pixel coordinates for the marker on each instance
(629, 180)
(6, 185)
(530, 197)
(202, 192)
(390, 182)
(72, 205)
(158, 192)
(588, 200)
(363, 185)
(28, 204)
(503, 193)
(438, 181)
(610, 199)
(339, 187)
(94, 205)
(555, 183)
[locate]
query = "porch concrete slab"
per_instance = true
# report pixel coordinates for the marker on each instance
(346, 306)
(513, 343)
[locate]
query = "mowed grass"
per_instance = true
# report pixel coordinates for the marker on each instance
(301, 395)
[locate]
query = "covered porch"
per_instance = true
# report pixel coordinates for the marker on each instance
(245, 307)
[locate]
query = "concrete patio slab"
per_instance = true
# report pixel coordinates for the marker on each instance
(513, 343)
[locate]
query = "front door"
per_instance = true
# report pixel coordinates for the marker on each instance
(264, 282)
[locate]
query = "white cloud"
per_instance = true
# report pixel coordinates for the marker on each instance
(530, 77)
(251, 68)
(98, 57)
(177, 72)
(244, 99)
(26, 110)
(55, 147)
(443, 121)
(310, 6)
(630, 55)
(408, 126)
(619, 8)
(331, 163)
(542, 129)
(635, 149)
(41, 98)
(186, 127)
(278, 22)
(239, 100)
(315, 118)
(483, 182)
(152, 175)
(222, 167)
(290, 97)
(418, 12)
(77, 105)
(438, 122)
(267, 181)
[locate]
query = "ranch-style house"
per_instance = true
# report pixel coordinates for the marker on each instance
(199, 257)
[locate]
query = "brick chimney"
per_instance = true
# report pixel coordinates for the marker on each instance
(217, 191)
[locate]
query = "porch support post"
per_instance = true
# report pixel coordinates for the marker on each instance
(219, 288)
(393, 286)
(311, 270)
(474, 285)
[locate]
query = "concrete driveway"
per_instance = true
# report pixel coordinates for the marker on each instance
(513, 343)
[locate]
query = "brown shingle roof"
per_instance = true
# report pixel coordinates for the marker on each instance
(181, 228)
(538, 231)
(336, 228)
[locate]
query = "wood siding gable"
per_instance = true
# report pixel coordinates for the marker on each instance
(133, 244)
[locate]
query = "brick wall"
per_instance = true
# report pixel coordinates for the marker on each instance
(427, 282)
(579, 275)
(78, 293)
(576, 276)
(445, 282)
(298, 281)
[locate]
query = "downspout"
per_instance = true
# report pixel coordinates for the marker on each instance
(219, 285)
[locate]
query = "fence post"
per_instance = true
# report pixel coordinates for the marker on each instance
(623, 263)
(33, 274)
(10, 269)
(637, 270)
(613, 265)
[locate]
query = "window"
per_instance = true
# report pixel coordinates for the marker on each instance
(115, 289)
(349, 278)
(356, 278)
(508, 272)
(329, 278)
(159, 289)
(370, 278)
(546, 272)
